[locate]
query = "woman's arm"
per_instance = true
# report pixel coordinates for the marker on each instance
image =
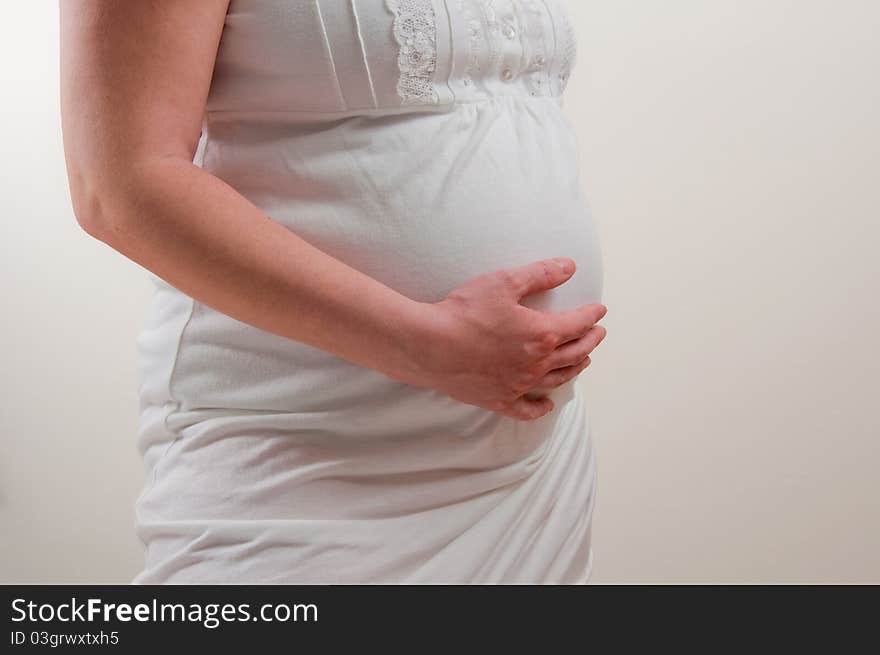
(135, 76)
(134, 82)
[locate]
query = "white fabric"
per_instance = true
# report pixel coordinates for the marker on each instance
(269, 461)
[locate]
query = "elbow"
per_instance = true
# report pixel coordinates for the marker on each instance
(110, 201)
(87, 210)
(90, 201)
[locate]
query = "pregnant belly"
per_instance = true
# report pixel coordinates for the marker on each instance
(424, 203)
(422, 206)
(435, 249)
(516, 225)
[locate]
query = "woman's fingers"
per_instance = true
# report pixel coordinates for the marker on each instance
(573, 352)
(576, 322)
(560, 376)
(498, 349)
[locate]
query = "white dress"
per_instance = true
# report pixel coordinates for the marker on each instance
(423, 143)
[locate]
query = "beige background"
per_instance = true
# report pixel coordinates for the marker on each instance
(730, 149)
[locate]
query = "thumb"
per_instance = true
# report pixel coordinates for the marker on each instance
(541, 275)
(527, 409)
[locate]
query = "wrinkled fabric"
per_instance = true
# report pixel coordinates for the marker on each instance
(270, 461)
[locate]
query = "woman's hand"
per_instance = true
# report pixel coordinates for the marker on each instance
(482, 347)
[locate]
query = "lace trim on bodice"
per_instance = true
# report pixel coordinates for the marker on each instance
(415, 31)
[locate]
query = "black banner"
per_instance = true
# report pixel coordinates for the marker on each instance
(131, 618)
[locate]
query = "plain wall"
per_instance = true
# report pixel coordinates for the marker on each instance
(731, 153)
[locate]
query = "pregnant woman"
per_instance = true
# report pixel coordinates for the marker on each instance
(362, 219)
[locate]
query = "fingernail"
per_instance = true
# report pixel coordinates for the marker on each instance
(565, 265)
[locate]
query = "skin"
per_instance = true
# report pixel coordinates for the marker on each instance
(134, 81)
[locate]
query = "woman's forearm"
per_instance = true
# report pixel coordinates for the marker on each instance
(200, 235)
